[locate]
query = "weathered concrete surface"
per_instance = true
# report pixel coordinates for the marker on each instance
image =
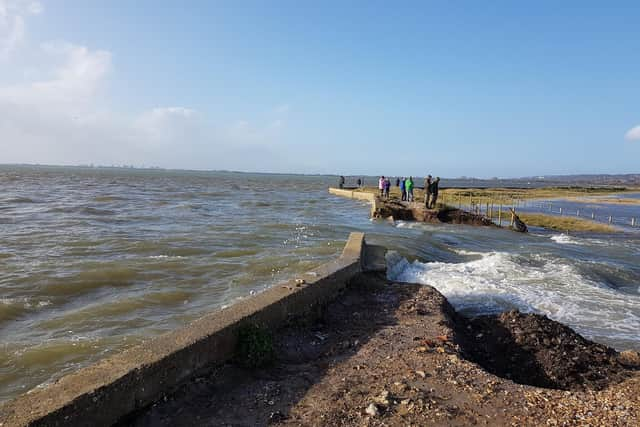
(358, 195)
(374, 259)
(103, 393)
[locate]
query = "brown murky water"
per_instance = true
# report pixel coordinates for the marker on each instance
(96, 260)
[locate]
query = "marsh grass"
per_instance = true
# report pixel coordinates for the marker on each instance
(563, 223)
(255, 347)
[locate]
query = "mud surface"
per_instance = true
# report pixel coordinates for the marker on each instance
(416, 211)
(532, 349)
(397, 354)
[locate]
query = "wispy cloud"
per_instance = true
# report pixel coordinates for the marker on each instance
(282, 109)
(61, 117)
(12, 23)
(633, 134)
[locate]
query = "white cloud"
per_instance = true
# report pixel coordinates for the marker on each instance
(633, 134)
(74, 80)
(282, 109)
(12, 23)
(57, 115)
(35, 8)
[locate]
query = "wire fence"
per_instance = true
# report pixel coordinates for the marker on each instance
(500, 209)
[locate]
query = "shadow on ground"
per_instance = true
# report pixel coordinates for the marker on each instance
(535, 350)
(231, 395)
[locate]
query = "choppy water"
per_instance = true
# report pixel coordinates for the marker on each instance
(96, 260)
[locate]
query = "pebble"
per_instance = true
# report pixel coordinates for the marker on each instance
(372, 410)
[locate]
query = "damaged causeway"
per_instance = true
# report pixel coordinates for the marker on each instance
(395, 209)
(351, 348)
(386, 353)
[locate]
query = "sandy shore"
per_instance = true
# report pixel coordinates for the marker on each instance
(397, 354)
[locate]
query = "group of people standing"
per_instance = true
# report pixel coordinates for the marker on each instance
(384, 185)
(406, 188)
(406, 185)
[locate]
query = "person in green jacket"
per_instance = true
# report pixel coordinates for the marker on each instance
(409, 188)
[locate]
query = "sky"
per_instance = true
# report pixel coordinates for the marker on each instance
(462, 88)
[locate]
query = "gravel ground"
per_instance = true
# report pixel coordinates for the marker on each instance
(394, 354)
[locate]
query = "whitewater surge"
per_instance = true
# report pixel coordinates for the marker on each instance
(494, 282)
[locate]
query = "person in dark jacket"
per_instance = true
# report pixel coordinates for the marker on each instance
(341, 182)
(434, 192)
(397, 182)
(403, 190)
(427, 191)
(387, 186)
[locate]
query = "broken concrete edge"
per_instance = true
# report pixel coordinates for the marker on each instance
(393, 210)
(357, 195)
(106, 392)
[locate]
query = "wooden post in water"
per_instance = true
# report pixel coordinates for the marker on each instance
(593, 215)
(513, 216)
(500, 215)
(560, 211)
(633, 222)
(610, 219)
(578, 212)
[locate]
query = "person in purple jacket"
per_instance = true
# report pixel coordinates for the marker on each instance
(387, 186)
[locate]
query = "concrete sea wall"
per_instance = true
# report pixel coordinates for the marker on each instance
(358, 195)
(104, 393)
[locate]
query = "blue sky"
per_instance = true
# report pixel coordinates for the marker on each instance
(449, 88)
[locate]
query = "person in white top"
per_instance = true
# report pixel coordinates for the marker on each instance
(381, 186)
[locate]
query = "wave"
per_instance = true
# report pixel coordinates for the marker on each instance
(86, 210)
(541, 283)
(13, 308)
(78, 318)
(20, 199)
(90, 280)
(107, 199)
(564, 239)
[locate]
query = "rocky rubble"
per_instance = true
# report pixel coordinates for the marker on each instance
(535, 350)
(396, 354)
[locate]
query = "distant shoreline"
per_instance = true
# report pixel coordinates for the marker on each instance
(569, 179)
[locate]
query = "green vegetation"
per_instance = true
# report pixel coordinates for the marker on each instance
(508, 195)
(563, 223)
(255, 347)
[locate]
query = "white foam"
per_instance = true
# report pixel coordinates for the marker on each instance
(166, 257)
(500, 281)
(564, 239)
(467, 253)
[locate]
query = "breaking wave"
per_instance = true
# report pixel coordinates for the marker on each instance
(540, 283)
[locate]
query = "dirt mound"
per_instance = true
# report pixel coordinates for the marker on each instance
(535, 350)
(390, 354)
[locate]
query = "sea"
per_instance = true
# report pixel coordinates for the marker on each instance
(96, 260)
